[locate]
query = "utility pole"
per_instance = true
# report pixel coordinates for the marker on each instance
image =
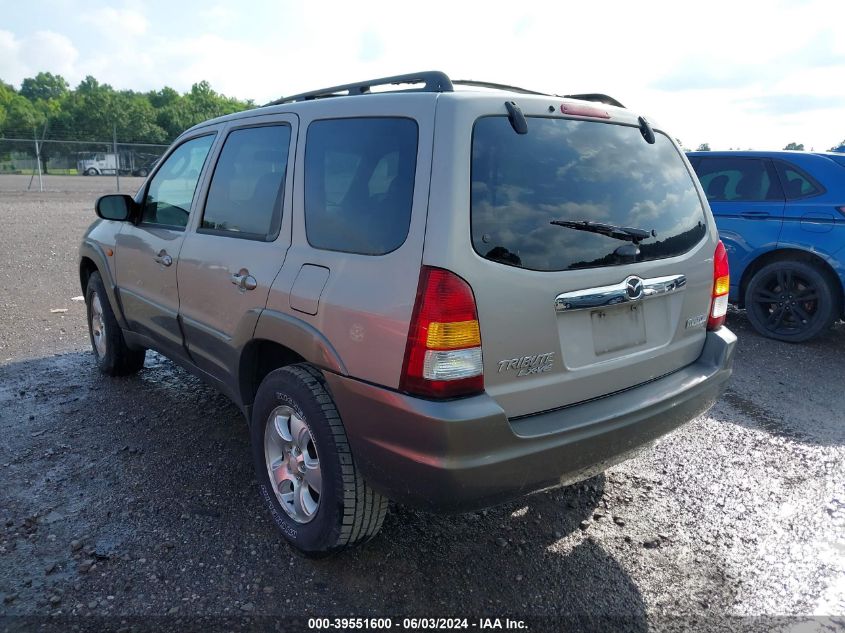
(116, 157)
(38, 158)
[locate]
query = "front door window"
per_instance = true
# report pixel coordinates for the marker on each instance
(171, 191)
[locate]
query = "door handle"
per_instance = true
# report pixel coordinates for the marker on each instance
(755, 215)
(163, 258)
(243, 280)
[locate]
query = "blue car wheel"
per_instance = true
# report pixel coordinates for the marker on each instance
(791, 301)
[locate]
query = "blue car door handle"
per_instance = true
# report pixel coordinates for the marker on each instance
(755, 215)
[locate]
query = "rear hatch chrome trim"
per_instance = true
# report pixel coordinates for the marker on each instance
(631, 289)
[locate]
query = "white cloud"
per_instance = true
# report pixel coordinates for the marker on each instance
(726, 72)
(43, 50)
(218, 16)
(117, 24)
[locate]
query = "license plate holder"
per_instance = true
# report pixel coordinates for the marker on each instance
(618, 328)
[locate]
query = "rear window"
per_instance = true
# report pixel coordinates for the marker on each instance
(568, 170)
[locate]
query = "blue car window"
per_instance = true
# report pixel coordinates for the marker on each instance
(738, 179)
(796, 182)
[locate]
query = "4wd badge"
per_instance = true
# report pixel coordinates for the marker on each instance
(696, 321)
(527, 365)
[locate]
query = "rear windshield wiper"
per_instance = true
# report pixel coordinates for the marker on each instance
(627, 233)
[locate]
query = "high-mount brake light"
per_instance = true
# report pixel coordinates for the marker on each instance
(443, 352)
(584, 110)
(721, 286)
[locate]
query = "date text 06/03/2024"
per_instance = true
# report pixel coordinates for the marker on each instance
(417, 623)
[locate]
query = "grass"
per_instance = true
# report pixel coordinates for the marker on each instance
(30, 172)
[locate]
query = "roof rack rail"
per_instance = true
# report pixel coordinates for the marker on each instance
(434, 80)
(596, 97)
(487, 84)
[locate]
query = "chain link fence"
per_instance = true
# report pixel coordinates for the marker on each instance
(77, 158)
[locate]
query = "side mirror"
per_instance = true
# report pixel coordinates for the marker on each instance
(115, 206)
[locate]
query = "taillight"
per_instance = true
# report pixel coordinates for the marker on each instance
(721, 286)
(443, 353)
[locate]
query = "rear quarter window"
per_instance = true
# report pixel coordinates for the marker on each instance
(573, 170)
(797, 183)
(359, 183)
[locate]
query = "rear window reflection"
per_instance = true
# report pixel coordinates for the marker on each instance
(577, 170)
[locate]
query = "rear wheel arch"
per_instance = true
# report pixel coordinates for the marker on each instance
(791, 254)
(258, 358)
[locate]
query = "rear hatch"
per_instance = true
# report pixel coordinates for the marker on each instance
(570, 309)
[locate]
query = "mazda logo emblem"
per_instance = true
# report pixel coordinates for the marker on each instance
(634, 288)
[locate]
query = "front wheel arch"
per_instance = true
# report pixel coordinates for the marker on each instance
(86, 267)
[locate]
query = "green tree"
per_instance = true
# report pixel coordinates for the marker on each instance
(44, 87)
(88, 112)
(795, 146)
(45, 92)
(163, 98)
(17, 114)
(19, 118)
(6, 94)
(94, 112)
(704, 147)
(178, 113)
(135, 119)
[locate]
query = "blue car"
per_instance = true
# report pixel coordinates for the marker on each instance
(781, 216)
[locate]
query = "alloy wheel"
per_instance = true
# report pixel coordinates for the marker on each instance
(293, 464)
(786, 302)
(98, 325)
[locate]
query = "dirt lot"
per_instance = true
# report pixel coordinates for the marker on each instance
(124, 499)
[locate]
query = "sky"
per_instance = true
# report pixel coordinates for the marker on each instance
(748, 74)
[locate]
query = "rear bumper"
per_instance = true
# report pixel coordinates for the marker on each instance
(465, 454)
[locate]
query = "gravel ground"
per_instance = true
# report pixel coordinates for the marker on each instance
(126, 499)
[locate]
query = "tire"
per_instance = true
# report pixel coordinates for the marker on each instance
(293, 402)
(791, 301)
(90, 172)
(114, 357)
(142, 173)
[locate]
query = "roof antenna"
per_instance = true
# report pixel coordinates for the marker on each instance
(517, 119)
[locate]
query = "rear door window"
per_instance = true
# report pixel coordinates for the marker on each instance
(359, 183)
(245, 195)
(738, 179)
(569, 170)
